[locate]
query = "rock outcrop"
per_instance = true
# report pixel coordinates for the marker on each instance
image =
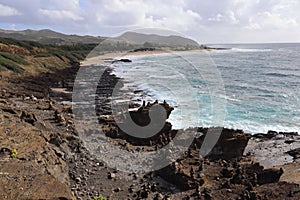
(230, 145)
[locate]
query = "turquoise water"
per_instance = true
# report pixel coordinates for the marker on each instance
(260, 81)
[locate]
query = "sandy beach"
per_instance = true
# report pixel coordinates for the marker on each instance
(102, 59)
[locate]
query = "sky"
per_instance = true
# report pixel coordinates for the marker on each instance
(206, 21)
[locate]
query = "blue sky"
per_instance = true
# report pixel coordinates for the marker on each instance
(207, 21)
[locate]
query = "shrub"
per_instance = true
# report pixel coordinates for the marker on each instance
(14, 153)
(99, 198)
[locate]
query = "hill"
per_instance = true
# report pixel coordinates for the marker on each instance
(47, 36)
(25, 56)
(158, 40)
(127, 41)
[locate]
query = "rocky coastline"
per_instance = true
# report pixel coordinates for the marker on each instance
(53, 163)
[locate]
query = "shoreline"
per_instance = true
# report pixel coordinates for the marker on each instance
(107, 58)
(45, 155)
(102, 59)
(49, 130)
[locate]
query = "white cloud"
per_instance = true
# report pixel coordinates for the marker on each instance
(208, 21)
(136, 13)
(232, 18)
(8, 11)
(228, 17)
(267, 20)
(218, 18)
(60, 14)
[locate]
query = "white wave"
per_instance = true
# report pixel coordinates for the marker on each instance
(149, 75)
(253, 128)
(250, 50)
(226, 97)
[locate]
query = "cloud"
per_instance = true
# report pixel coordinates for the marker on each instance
(269, 20)
(136, 13)
(207, 21)
(60, 14)
(8, 11)
(228, 17)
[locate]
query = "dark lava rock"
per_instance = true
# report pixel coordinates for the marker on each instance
(269, 176)
(126, 60)
(230, 145)
(111, 175)
(227, 172)
(28, 117)
(295, 153)
(144, 194)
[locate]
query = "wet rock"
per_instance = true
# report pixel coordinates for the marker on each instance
(289, 141)
(269, 135)
(126, 60)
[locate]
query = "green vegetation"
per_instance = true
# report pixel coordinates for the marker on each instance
(14, 53)
(6, 64)
(99, 197)
(29, 45)
(15, 58)
(14, 153)
(47, 36)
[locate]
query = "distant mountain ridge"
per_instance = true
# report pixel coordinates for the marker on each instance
(47, 36)
(171, 40)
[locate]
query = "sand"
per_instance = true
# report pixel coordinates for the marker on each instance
(105, 58)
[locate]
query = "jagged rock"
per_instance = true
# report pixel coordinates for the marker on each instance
(5, 152)
(269, 176)
(55, 139)
(111, 175)
(228, 139)
(269, 135)
(295, 153)
(141, 118)
(59, 117)
(10, 110)
(159, 196)
(28, 117)
(227, 172)
(206, 192)
(144, 194)
(78, 180)
(122, 60)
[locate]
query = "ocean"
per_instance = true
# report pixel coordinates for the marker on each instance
(253, 87)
